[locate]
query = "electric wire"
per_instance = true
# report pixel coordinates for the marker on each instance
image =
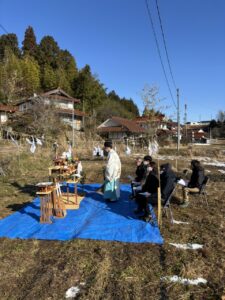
(158, 50)
(164, 42)
(3, 28)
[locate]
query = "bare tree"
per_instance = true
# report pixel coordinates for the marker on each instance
(221, 116)
(153, 107)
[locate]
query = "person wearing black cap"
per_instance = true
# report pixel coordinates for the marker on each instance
(112, 174)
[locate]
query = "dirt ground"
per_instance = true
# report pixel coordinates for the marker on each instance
(33, 269)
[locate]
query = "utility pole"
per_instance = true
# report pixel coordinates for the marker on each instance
(73, 125)
(83, 112)
(185, 119)
(178, 121)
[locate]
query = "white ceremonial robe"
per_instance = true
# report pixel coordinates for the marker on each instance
(112, 177)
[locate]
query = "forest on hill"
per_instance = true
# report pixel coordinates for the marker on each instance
(39, 67)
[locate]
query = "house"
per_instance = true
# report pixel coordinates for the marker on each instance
(117, 128)
(63, 103)
(197, 131)
(158, 121)
(5, 111)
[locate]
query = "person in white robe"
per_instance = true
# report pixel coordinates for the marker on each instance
(112, 174)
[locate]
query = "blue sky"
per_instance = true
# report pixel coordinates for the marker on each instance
(115, 38)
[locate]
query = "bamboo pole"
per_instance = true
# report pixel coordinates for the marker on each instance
(159, 198)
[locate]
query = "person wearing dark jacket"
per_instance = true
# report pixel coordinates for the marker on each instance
(194, 185)
(148, 193)
(141, 174)
(140, 170)
(167, 181)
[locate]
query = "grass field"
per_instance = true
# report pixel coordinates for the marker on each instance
(32, 269)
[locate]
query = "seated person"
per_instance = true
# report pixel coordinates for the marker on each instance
(197, 178)
(148, 193)
(167, 180)
(141, 174)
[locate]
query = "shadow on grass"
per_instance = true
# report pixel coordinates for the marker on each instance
(28, 189)
(24, 207)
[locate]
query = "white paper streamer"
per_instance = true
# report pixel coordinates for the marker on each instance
(185, 281)
(72, 292)
(128, 151)
(179, 222)
(79, 168)
(187, 246)
(39, 142)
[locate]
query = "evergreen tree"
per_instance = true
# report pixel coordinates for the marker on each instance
(67, 62)
(49, 78)
(9, 41)
(48, 52)
(62, 81)
(130, 109)
(29, 43)
(89, 90)
(31, 76)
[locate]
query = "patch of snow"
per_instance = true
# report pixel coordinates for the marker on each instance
(215, 163)
(185, 281)
(179, 222)
(222, 171)
(72, 292)
(187, 246)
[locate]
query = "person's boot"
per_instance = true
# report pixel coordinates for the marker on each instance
(146, 218)
(185, 204)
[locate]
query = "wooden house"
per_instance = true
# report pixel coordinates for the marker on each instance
(116, 128)
(64, 105)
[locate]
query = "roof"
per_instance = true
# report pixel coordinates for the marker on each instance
(8, 108)
(59, 94)
(121, 124)
(70, 112)
(196, 127)
(144, 119)
(129, 124)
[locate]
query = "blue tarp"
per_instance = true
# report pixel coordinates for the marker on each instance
(95, 219)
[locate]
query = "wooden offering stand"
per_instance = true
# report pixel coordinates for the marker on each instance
(45, 192)
(62, 168)
(72, 199)
(51, 202)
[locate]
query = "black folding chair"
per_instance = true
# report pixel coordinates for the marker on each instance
(202, 191)
(167, 205)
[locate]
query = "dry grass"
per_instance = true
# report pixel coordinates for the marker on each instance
(33, 269)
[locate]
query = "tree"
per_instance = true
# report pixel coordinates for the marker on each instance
(9, 42)
(39, 120)
(11, 77)
(152, 104)
(67, 62)
(31, 76)
(62, 80)
(29, 43)
(221, 116)
(124, 107)
(49, 78)
(48, 52)
(89, 90)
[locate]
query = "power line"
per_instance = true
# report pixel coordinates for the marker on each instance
(3, 28)
(158, 50)
(164, 42)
